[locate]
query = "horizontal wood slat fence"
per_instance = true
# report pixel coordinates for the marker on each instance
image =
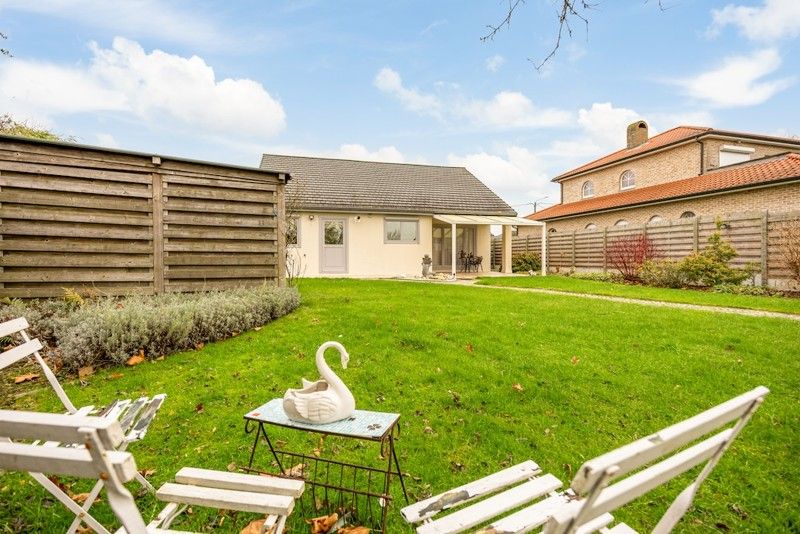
(756, 236)
(110, 223)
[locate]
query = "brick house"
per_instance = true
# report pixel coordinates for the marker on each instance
(684, 172)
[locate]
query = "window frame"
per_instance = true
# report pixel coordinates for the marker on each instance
(387, 241)
(658, 218)
(733, 150)
(629, 172)
(593, 227)
(685, 215)
(296, 220)
(625, 221)
(583, 189)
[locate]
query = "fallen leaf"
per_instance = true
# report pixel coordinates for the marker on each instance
(253, 527)
(257, 328)
(147, 472)
(322, 524)
(354, 530)
(518, 387)
(115, 375)
(575, 360)
(234, 334)
(295, 471)
(160, 358)
(80, 498)
(25, 378)
(136, 360)
(200, 408)
(470, 348)
(231, 466)
(83, 372)
(738, 511)
(84, 530)
(199, 346)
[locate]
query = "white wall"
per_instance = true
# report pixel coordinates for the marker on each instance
(367, 254)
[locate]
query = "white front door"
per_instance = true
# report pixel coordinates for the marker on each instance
(333, 240)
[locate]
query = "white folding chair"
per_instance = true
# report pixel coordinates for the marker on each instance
(586, 506)
(134, 417)
(96, 455)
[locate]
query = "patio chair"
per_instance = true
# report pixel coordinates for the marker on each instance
(586, 506)
(134, 416)
(95, 454)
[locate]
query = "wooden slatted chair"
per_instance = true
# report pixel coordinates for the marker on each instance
(585, 507)
(134, 416)
(95, 454)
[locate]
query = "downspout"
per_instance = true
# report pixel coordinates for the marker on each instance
(702, 155)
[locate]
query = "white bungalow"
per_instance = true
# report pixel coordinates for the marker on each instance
(375, 219)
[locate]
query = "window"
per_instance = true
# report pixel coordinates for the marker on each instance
(688, 215)
(591, 226)
(656, 219)
(334, 232)
(621, 222)
(587, 190)
(551, 231)
(400, 231)
(293, 231)
(627, 180)
(732, 154)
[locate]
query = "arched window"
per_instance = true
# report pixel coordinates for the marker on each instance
(621, 222)
(656, 219)
(591, 226)
(627, 180)
(587, 190)
(551, 230)
(688, 215)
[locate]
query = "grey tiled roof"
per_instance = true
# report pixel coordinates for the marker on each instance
(349, 185)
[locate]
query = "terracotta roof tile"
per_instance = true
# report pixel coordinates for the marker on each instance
(675, 135)
(766, 170)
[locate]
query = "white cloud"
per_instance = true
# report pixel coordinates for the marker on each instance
(770, 22)
(515, 173)
(511, 109)
(158, 88)
(495, 62)
(107, 140)
(390, 82)
(357, 151)
(507, 109)
(136, 18)
(739, 80)
(605, 125)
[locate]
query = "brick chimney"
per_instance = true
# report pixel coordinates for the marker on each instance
(637, 134)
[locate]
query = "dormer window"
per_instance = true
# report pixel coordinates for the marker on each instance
(587, 190)
(733, 154)
(627, 180)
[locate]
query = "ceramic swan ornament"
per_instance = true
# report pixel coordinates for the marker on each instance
(324, 401)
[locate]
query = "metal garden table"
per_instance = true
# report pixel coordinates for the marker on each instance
(352, 485)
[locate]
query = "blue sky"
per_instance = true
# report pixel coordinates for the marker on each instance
(399, 81)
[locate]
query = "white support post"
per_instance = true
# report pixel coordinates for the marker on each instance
(544, 249)
(507, 249)
(453, 248)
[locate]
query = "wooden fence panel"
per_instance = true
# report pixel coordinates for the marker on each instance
(109, 223)
(755, 236)
(217, 234)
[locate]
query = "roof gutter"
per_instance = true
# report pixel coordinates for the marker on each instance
(786, 181)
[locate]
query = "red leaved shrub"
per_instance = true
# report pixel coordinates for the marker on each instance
(627, 254)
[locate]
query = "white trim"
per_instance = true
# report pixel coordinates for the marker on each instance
(387, 241)
(738, 149)
(498, 220)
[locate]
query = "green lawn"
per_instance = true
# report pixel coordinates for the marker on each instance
(595, 375)
(687, 296)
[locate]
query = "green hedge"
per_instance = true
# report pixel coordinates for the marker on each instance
(111, 330)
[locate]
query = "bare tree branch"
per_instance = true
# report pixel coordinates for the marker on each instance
(568, 12)
(5, 51)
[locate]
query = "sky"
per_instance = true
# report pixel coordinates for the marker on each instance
(403, 81)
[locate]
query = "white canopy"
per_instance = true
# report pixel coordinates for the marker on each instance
(506, 223)
(487, 219)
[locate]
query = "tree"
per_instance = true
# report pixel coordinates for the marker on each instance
(569, 12)
(10, 126)
(4, 51)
